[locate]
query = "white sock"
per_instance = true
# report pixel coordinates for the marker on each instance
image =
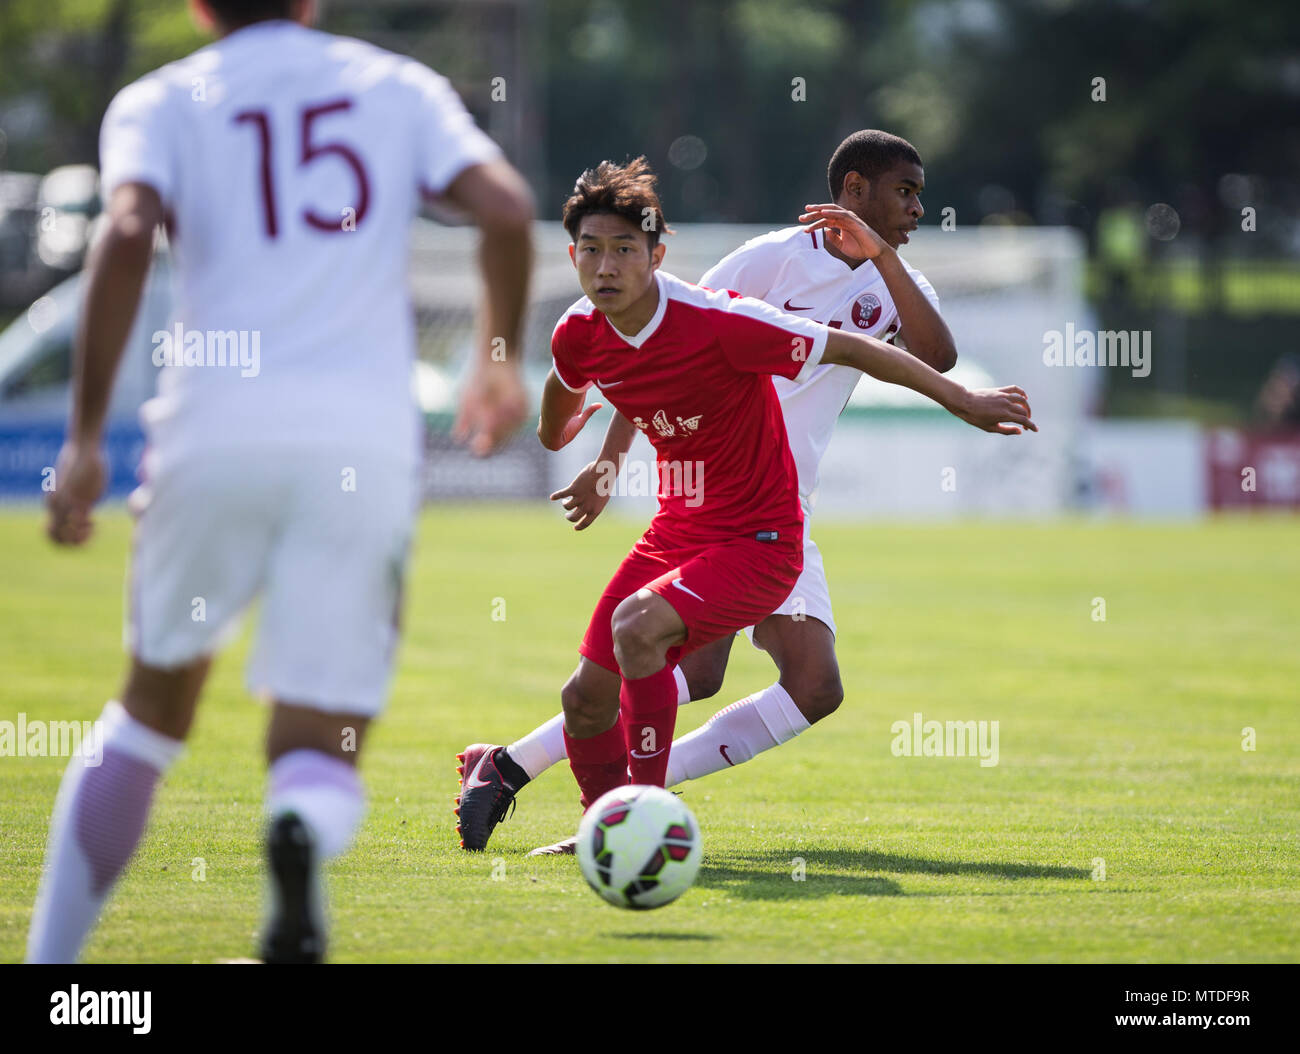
(734, 735)
(324, 791)
(541, 748)
(544, 746)
(99, 818)
(683, 689)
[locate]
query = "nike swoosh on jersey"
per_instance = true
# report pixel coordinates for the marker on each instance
(607, 384)
(642, 757)
(678, 583)
(472, 780)
(723, 751)
(790, 307)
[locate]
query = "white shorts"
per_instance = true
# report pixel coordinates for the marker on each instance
(321, 536)
(811, 596)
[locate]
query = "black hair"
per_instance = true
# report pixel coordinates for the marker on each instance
(244, 12)
(869, 152)
(617, 190)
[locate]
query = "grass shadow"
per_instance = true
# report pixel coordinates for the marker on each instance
(874, 860)
(769, 875)
(662, 936)
(751, 884)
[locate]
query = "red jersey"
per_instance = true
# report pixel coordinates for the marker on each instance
(696, 381)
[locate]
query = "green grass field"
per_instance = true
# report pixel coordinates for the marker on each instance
(1120, 741)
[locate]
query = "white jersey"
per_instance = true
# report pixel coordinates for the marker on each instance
(793, 272)
(290, 163)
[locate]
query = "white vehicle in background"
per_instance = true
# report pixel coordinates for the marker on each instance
(67, 206)
(19, 193)
(35, 368)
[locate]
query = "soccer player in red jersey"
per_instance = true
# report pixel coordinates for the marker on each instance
(691, 368)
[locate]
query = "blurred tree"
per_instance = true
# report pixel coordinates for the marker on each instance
(1194, 91)
(738, 103)
(61, 62)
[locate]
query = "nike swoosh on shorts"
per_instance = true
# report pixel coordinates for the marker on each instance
(678, 583)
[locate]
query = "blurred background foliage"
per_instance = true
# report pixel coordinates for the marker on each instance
(1201, 110)
(739, 103)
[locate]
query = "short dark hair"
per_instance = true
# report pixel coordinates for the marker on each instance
(869, 152)
(243, 12)
(616, 190)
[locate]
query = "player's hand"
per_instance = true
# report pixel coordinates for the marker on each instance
(586, 497)
(79, 476)
(845, 231)
(492, 407)
(577, 422)
(1003, 410)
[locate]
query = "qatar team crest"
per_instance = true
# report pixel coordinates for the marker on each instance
(866, 310)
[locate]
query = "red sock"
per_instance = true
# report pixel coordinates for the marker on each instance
(649, 707)
(600, 763)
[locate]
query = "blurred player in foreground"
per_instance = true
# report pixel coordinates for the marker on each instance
(689, 367)
(287, 165)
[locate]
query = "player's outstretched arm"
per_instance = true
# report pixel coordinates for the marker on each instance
(586, 497)
(495, 402)
(1003, 410)
(115, 279)
(562, 415)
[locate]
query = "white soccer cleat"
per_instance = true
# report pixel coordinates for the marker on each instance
(565, 847)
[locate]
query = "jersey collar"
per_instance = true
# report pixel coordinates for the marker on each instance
(835, 263)
(648, 330)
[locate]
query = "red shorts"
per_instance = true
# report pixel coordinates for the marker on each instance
(717, 589)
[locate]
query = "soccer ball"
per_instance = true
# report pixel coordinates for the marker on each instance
(639, 847)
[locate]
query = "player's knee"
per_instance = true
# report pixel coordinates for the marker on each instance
(164, 699)
(816, 695)
(634, 635)
(582, 714)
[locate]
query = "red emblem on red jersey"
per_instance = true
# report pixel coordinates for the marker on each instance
(866, 310)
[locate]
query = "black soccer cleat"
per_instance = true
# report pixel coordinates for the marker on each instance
(485, 794)
(295, 930)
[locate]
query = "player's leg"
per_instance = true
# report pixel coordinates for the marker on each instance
(324, 653)
(202, 529)
(645, 626)
(593, 726)
(808, 690)
(804, 653)
(315, 803)
(608, 717)
(800, 637)
(593, 730)
(102, 809)
(593, 735)
(713, 594)
(698, 676)
(491, 775)
(306, 747)
(706, 669)
(529, 756)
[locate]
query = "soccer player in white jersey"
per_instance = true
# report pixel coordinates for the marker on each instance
(283, 445)
(842, 270)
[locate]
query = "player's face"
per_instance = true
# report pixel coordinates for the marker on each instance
(615, 263)
(892, 203)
